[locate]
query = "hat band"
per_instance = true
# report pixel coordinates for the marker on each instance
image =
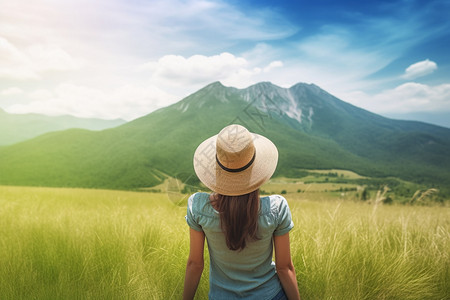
(239, 169)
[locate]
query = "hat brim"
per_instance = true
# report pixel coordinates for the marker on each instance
(235, 183)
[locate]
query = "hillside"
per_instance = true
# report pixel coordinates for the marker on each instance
(16, 128)
(311, 128)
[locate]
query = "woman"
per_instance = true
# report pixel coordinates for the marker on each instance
(241, 228)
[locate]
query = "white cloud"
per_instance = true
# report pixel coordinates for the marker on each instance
(8, 52)
(420, 69)
(127, 102)
(334, 50)
(140, 28)
(176, 74)
(199, 70)
(51, 58)
(273, 65)
(210, 23)
(12, 91)
(29, 63)
(41, 95)
(336, 59)
(406, 98)
(13, 62)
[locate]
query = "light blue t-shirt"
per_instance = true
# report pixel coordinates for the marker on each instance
(249, 273)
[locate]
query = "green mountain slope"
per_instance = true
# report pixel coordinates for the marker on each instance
(311, 129)
(411, 150)
(15, 128)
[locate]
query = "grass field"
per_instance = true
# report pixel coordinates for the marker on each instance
(99, 244)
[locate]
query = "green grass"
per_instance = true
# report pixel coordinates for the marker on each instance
(90, 244)
(347, 250)
(99, 244)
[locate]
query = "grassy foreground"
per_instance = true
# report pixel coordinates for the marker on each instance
(97, 244)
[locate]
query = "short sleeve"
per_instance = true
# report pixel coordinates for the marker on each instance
(191, 219)
(284, 218)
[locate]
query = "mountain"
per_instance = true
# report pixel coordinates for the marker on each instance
(15, 128)
(311, 128)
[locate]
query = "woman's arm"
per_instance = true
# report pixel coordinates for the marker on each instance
(194, 267)
(285, 267)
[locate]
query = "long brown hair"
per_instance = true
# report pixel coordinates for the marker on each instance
(238, 218)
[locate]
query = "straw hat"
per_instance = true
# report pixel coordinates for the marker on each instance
(235, 161)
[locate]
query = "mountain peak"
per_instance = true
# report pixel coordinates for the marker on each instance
(206, 97)
(307, 87)
(264, 96)
(265, 84)
(214, 85)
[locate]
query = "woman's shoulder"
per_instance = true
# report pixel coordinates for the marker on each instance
(199, 196)
(199, 202)
(272, 203)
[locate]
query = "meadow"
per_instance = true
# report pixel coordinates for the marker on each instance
(60, 243)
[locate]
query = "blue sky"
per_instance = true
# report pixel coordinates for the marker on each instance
(124, 59)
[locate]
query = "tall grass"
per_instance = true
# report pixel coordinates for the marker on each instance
(90, 244)
(96, 244)
(348, 250)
